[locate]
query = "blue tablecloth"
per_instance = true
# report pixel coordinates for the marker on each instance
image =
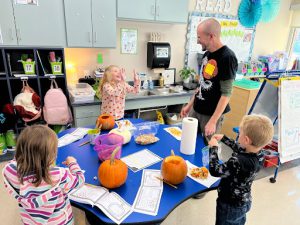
(88, 161)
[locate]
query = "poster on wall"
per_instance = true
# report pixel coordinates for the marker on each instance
(129, 41)
(233, 34)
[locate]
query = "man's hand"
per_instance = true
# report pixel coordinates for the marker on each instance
(210, 128)
(185, 111)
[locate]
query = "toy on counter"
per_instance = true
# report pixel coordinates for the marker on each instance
(276, 61)
(252, 68)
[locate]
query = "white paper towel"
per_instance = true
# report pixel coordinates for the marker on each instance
(189, 135)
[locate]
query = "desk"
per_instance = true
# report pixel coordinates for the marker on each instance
(171, 197)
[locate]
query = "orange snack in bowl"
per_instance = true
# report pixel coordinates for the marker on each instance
(201, 173)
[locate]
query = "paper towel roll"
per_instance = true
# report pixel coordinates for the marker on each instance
(189, 135)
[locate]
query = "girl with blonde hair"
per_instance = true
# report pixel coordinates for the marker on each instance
(114, 88)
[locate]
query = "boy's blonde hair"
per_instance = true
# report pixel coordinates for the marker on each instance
(258, 128)
(106, 77)
(36, 152)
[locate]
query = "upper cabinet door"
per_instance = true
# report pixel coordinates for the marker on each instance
(104, 23)
(79, 23)
(7, 24)
(137, 9)
(41, 25)
(172, 11)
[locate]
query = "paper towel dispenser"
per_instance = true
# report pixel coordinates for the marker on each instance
(158, 55)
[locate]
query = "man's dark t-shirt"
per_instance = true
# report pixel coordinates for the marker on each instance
(218, 66)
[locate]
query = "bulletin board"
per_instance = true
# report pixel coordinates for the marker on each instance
(289, 120)
(233, 34)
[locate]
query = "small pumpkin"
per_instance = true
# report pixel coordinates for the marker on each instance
(174, 169)
(112, 173)
(107, 121)
(126, 134)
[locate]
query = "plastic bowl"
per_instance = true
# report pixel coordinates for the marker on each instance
(105, 144)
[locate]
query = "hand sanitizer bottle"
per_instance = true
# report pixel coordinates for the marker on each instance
(145, 84)
(151, 83)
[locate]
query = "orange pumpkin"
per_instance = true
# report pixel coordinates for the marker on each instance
(174, 169)
(112, 173)
(107, 121)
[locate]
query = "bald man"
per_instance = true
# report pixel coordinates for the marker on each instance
(218, 70)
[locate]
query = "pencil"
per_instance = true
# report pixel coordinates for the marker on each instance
(83, 143)
(166, 182)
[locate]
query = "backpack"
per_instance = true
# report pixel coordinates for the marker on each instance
(28, 103)
(56, 109)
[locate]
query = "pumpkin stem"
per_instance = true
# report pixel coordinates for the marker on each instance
(113, 154)
(172, 152)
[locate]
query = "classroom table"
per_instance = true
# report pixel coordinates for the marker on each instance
(171, 197)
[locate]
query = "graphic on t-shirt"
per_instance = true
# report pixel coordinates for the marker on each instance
(205, 84)
(210, 69)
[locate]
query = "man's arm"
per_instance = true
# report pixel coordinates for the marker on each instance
(210, 127)
(187, 108)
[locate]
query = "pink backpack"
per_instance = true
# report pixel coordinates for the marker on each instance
(56, 110)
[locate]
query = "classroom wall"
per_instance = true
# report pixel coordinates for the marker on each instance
(269, 38)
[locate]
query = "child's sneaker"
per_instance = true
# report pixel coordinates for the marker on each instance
(3, 148)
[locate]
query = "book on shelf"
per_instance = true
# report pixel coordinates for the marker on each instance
(110, 203)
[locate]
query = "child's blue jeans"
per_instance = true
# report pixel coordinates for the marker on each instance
(231, 215)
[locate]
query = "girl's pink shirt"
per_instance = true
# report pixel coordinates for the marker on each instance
(113, 98)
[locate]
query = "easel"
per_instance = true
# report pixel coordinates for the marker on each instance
(272, 79)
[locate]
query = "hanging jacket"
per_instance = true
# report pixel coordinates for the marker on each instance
(44, 204)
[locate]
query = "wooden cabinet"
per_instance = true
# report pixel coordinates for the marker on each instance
(41, 25)
(154, 10)
(90, 23)
(240, 102)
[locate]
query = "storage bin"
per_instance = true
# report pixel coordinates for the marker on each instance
(56, 67)
(29, 67)
(81, 93)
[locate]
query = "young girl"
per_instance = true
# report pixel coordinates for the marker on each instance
(39, 187)
(114, 89)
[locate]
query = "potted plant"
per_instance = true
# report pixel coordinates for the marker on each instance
(186, 73)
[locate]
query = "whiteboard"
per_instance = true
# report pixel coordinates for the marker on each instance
(266, 101)
(289, 120)
(234, 35)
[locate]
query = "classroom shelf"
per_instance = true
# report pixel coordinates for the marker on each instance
(10, 65)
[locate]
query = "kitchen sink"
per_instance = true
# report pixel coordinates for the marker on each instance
(166, 91)
(141, 93)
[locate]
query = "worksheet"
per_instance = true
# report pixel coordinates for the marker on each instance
(110, 203)
(147, 200)
(141, 160)
(76, 135)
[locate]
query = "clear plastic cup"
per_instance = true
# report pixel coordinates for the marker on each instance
(205, 156)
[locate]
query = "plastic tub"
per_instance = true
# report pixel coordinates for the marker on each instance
(105, 144)
(81, 93)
